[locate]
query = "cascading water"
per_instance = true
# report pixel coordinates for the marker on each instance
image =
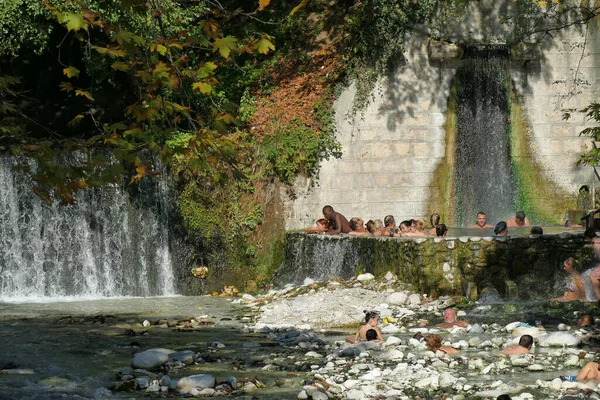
(108, 244)
(483, 172)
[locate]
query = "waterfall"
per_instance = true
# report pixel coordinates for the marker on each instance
(108, 244)
(483, 175)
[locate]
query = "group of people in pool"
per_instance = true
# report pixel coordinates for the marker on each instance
(335, 223)
(370, 331)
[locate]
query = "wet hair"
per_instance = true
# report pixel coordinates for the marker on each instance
(419, 225)
(370, 226)
(371, 334)
(353, 222)
(520, 215)
(440, 230)
(481, 213)
(536, 230)
(370, 315)
(526, 341)
(504, 397)
(500, 227)
(433, 342)
(327, 208)
(389, 220)
(434, 219)
(378, 224)
(407, 223)
(590, 233)
(324, 222)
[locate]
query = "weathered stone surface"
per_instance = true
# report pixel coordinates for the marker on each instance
(201, 381)
(151, 359)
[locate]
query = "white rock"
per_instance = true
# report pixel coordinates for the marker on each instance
(308, 281)
(429, 382)
(248, 298)
(319, 396)
(302, 395)
(151, 359)
(446, 380)
(572, 361)
(146, 323)
(206, 392)
(563, 327)
(535, 367)
(521, 360)
(389, 276)
(391, 328)
(397, 299)
(184, 356)
(392, 354)
(365, 277)
(461, 313)
(559, 339)
(556, 383)
(414, 299)
(392, 341)
(313, 354)
(200, 381)
(522, 330)
(355, 394)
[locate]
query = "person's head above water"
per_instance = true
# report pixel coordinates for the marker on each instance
(389, 221)
(371, 315)
(520, 216)
(434, 219)
(405, 225)
(449, 315)
(526, 341)
(585, 320)
(500, 229)
(536, 230)
(323, 223)
(328, 212)
(441, 230)
(371, 334)
(569, 264)
(504, 397)
(356, 223)
(433, 342)
(590, 234)
(481, 219)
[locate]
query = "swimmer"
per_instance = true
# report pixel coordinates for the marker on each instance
(450, 320)
(441, 230)
(536, 230)
(390, 225)
(524, 346)
(337, 222)
(585, 320)
(358, 227)
(518, 220)
(321, 228)
(575, 286)
(481, 221)
(371, 322)
(434, 220)
(590, 235)
(501, 229)
(434, 343)
(589, 372)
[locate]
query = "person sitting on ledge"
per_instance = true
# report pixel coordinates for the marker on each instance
(321, 228)
(375, 227)
(524, 346)
(434, 220)
(501, 229)
(575, 286)
(536, 230)
(390, 225)
(371, 322)
(589, 372)
(441, 230)
(358, 227)
(450, 320)
(481, 221)
(434, 343)
(337, 222)
(518, 220)
(415, 229)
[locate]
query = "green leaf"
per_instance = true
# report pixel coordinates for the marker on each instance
(120, 66)
(265, 45)
(84, 93)
(126, 37)
(206, 70)
(70, 72)
(225, 45)
(203, 87)
(73, 21)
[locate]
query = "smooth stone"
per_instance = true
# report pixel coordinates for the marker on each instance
(354, 394)
(365, 277)
(313, 354)
(447, 380)
(414, 299)
(397, 299)
(389, 276)
(151, 359)
(200, 381)
(475, 328)
(17, 371)
(165, 380)
(308, 281)
(185, 356)
(231, 381)
(302, 395)
(206, 392)
(146, 323)
(572, 361)
(392, 354)
(391, 328)
(392, 340)
(142, 382)
(521, 360)
(559, 339)
(535, 367)
(319, 396)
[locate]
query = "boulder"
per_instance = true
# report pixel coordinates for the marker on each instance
(151, 359)
(397, 299)
(559, 339)
(365, 277)
(185, 357)
(198, 382)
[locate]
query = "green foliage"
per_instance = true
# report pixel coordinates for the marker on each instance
(591, 156)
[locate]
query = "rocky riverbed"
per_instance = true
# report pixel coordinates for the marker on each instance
(288, 344)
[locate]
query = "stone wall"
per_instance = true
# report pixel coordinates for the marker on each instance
(524, 267)
(391, 152)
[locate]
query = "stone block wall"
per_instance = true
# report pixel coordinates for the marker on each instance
(390, 152)
(450, 266)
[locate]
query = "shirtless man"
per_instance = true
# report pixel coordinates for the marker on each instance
(518, 220)
(525, 343)
(590, 372)
(450, 320)
(481, 221)
(357, 226)
(337, 222)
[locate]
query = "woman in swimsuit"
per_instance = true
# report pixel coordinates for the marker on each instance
(590, 234)
(575, 288)
(434, 343)
(371, 322)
